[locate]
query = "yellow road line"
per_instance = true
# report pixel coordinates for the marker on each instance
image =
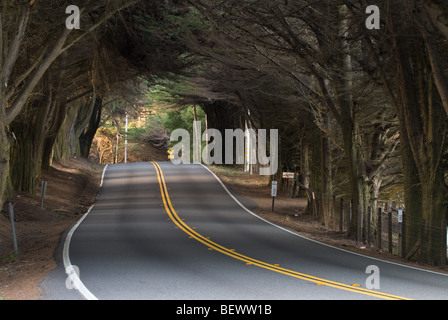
(251, 261)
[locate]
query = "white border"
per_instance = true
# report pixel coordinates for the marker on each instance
(321, 243)
(69, 270)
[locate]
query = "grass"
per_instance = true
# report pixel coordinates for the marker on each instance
(229, 170)
(10, 257)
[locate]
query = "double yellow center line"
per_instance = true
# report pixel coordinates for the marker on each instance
(251, 261)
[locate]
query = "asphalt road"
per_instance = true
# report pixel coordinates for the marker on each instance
(163, 232)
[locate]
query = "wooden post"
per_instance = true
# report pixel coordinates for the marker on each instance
(43, 193)
(378, 229)
(11, 215)
(443, 258)
(341, 216)
(403, 236)
(333, 212)
(389, 214)
(359, 231)
(348, 215)
(423, 242)
(273, 192)
(369, 217)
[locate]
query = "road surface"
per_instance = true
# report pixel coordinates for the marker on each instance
(164, 232)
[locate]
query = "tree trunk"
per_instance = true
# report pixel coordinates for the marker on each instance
(359, 188)
(57, 114)
(4, 161)
(326, 176)
(29, 128)
(422, 114)
(351, 132)
(304, 179)
(86, 138)
(26, 153)
(352, 146)
(412, 190)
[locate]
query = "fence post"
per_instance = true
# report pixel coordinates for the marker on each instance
(341, 216)
(389, 231)
(359, 226)
(423, 242)
(348, 215)
(369, 218)
(403, 236)
(443, 258)
(43, 192)
(11, 215)
(333, 213)
(378, 229)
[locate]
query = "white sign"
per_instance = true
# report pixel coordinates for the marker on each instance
(400, 215)
(288, 175)
(274, 189)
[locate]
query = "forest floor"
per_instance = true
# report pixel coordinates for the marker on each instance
(72, 189)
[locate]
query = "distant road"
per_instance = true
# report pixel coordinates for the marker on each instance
(166, 232)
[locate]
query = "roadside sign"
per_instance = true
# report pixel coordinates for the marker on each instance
(170, 154)
(400, 215)
(273, 193)
(274, 189)
(288, 175)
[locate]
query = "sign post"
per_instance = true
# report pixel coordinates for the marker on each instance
(43, 192)
(401, 239)
(11, 215)
(273, 193)
(400, 215)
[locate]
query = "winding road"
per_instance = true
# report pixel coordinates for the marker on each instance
(164, 232)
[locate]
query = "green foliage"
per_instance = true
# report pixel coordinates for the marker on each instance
(183, 119)
(169, 92)
(137, 133)
(10, 257)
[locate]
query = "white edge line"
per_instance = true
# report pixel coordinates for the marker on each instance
(69, 270)
(315, 241)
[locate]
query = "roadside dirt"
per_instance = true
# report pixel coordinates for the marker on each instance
(72, 189)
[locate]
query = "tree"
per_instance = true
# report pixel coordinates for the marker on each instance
(22, 74)
(42, 81)
(412, 77)
(316, 48)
